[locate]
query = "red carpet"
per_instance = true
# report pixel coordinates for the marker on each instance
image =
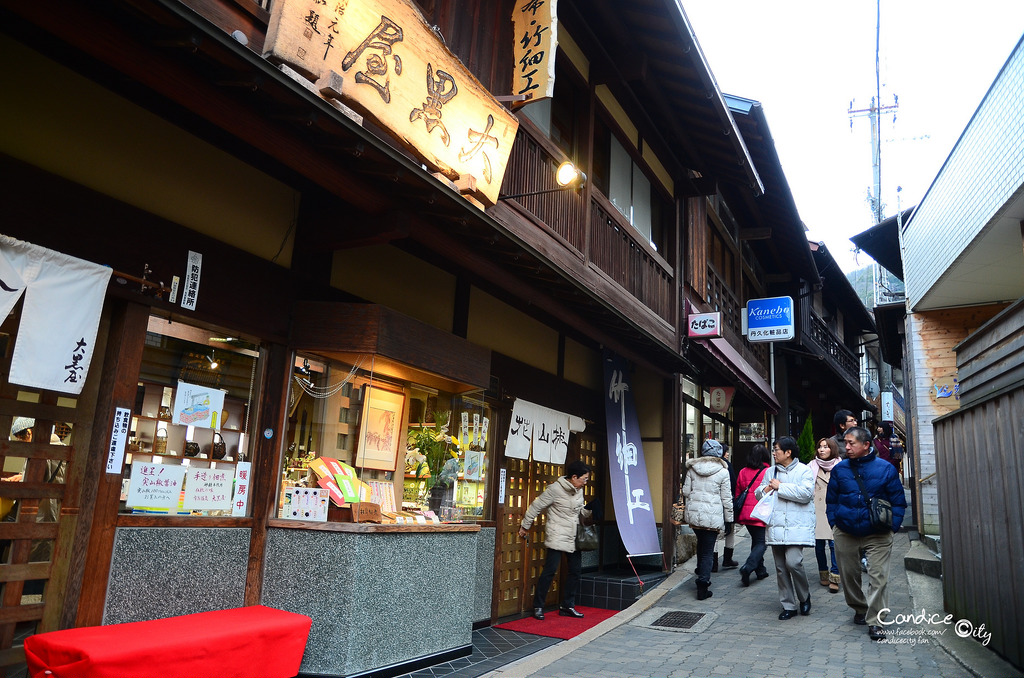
(557, 626)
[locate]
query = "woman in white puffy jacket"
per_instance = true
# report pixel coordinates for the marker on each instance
(707, 491)
(791, 526)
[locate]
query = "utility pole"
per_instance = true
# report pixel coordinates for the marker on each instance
(875, 193)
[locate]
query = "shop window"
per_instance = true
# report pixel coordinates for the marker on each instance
(189, 439)
(721, 258)
(699, 422)
(628, 187)
(361, 431)
(560, 116)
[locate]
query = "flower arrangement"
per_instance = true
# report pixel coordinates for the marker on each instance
(433, 453)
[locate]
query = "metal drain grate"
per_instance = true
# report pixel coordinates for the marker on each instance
(679, 620)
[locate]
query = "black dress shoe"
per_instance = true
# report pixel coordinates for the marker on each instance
(762, 575)
(860, 619)
(876, 632)
(569, 612)
(805, 607)
(538, 613)
(787, 614)
(745, 576)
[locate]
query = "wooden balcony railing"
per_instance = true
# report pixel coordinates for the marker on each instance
(613, 246)
(723, 300)
(617, 251)
(842, 358)
(531, 167)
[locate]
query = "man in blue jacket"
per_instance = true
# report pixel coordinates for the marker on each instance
(855, 480)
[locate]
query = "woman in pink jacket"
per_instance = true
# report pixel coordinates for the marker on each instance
(751, 477)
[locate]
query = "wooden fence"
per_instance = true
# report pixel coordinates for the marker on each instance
(979, 452)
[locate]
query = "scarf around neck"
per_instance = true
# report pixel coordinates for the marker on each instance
(826, 464)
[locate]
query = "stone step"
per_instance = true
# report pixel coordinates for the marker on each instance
(921, 559)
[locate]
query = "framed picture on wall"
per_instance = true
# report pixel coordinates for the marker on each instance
(380, 428)
(753, 432)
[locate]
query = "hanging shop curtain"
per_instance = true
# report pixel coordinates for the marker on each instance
(547, 430)
(63, 301)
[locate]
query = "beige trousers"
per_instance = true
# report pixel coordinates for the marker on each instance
(879, 551)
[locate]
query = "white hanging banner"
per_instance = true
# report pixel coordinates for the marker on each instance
(546, 429)
(63, 301)
(520, 430)
(193, 271)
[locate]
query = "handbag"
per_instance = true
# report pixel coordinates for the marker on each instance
(191, 448)
(764, 507)
(219, 448)
(738, 502)
(586, 537)
(678, 513)
(879, 510)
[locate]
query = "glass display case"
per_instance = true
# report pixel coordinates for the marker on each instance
(409, 447)
(188, 434)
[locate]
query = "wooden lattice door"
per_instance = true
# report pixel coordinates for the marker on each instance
(43, 474)
(509, 571)
(519, 564)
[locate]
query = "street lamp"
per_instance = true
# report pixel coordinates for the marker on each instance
(567, 176)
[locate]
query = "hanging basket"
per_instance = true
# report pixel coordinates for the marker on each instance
(220, 448)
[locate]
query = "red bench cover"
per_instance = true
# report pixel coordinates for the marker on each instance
(245, 642)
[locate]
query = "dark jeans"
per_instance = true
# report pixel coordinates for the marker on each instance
(705, 555)
(819, 553)
(572, 579)
(755, 561)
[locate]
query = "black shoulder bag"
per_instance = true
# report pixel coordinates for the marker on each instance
(879, 510)
(738, 502)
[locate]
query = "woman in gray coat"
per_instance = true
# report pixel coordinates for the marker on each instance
(563, 503)
(791, 526)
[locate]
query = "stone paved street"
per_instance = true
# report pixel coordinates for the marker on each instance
(741, 635)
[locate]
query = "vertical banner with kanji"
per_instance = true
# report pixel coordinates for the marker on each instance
(240, 501)
(535, 26)
(631, 492)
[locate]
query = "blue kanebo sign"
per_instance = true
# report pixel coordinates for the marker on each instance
(769, 319)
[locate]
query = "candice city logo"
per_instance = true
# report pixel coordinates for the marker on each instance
(935, 625)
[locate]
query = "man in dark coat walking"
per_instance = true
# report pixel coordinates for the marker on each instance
(855, 480)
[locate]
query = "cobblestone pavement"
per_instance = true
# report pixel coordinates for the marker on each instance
(740, 634)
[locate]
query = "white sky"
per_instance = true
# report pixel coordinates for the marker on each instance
(807, 60)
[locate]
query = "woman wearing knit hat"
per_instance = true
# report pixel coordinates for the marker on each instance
(707, 492)
(21, 429)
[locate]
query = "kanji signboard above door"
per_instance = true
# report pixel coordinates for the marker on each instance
(381, 58)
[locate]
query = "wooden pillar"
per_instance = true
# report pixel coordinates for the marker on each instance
(122, 361)
(266, 455)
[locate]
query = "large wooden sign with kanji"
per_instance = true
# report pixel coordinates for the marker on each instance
(381, 58)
